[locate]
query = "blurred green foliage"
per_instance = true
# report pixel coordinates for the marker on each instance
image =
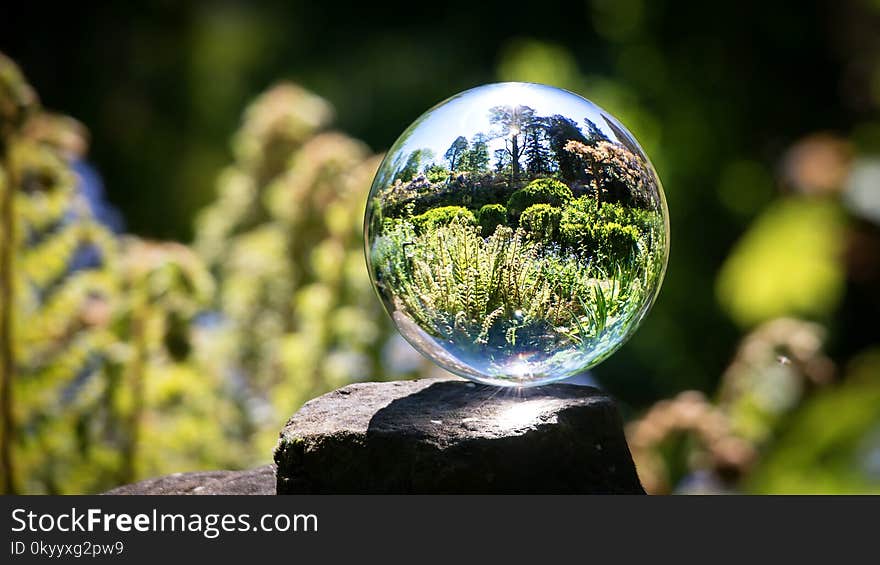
(788, 263)
(832, 445)
(49, 332)
(284, 239)
(95, 328)
(755, 114)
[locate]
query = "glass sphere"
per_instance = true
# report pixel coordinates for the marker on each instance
(517, 234)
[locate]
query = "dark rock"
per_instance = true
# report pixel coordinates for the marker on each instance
(254, 481)
(452, 436)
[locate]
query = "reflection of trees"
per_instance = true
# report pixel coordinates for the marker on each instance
(581, 156)
(468, 157)
(561, 130)
(413, 163)
(512, 123)
(537, 152)
(455, 152)
(502, 160)
(617, 172)
(476, 159)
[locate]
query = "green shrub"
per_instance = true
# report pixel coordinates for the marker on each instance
(616, 241)
(578, 219)
(607, 233)
(443, 216)
(615, 212)
(541, 221)
(646, 221)
(585, 206)
(492, 216)
(436, 173)
(539, 191)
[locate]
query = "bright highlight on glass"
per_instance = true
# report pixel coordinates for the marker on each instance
(517, 234)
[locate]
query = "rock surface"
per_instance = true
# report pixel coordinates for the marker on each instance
(254, 481)
(452, 436)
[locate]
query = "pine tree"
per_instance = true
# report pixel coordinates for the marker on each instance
(502, 161)
(594, 134)
(456, 152)
(476, 159)
(561, 130)
(413, 163)
(537, 152)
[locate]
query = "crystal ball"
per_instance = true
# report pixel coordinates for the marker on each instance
(516, 234)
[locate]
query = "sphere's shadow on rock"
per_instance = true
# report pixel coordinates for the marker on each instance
(455, 410)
